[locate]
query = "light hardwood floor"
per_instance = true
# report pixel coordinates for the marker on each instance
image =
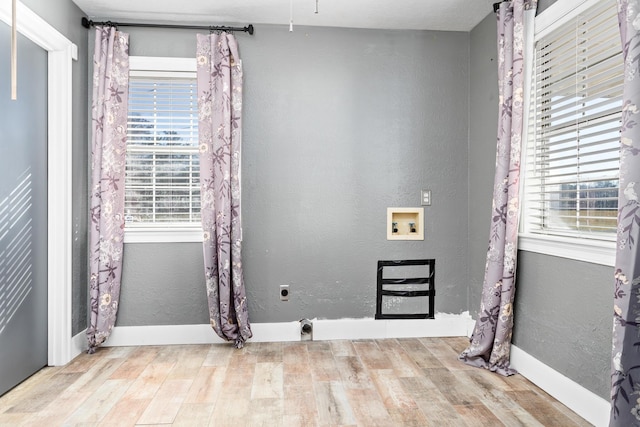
(390, 382)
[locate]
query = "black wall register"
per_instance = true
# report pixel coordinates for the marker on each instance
(406, 288)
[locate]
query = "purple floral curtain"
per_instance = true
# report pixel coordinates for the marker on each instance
(625, 366)
(220, 111)
(491, 340)
(109, 139)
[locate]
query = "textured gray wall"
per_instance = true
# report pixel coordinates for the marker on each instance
(163, 285)
(563, 310)
(563, 314)
(543, 4)
(339, 124)
(483, 121)
(65, 16)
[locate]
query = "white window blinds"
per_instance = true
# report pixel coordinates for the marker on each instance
(572, 157)
(162, 185)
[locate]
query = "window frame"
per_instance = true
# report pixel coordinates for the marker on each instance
(169, 232)
(596, 251)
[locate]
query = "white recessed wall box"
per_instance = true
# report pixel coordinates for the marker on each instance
(405, 223)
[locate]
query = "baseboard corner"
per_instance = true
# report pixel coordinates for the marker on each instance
(583, 402)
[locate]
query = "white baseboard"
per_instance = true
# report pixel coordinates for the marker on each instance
(444, 325)
(79, 344)
(583, 402)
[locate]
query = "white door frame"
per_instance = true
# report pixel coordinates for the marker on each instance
(61, 53)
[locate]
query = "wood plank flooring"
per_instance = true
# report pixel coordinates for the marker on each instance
(391, 382)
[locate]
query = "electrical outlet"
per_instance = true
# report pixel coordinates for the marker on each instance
(284, 292)
(426, 197)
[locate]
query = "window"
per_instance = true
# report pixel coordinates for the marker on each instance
(572, 154)
(162, 184)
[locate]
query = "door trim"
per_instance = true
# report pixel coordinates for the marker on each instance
(61, 53)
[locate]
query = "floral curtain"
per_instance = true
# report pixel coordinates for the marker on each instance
(625, 378)
(109, 138)
(219, 127)
(491, 340)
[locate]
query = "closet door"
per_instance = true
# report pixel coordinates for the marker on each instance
(23, 213)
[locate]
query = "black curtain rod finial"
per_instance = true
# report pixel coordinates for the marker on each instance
(496, 6)
(87, 23)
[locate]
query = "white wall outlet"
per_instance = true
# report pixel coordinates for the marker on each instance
(426, 198)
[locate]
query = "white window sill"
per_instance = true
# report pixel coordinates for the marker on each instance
(593, 251)
(163, 234)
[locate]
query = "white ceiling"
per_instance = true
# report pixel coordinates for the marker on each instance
(446, 15)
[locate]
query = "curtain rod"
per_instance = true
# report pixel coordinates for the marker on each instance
(88, 23)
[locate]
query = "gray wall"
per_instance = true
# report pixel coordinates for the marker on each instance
(483, 122)
(543, 4)
(563, 307)
(564, 317)
(65, 16)
(339, 124)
